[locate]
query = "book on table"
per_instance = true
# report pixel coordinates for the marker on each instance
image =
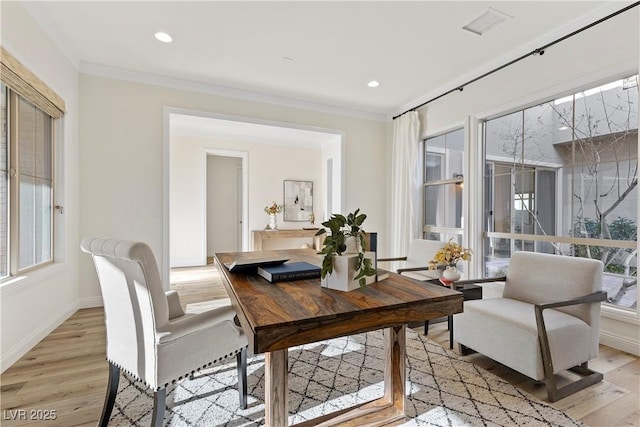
(445, 282)
(450, 284)
(247, 265)
(289, 271)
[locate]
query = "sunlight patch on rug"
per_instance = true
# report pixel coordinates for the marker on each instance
(442, 389)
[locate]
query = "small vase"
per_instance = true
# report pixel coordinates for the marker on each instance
(273, 222)
(451, 274)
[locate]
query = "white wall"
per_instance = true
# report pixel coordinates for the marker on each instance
(224, 188)
(607, 51)
(122, 163)
(268, 166)
(33, 305)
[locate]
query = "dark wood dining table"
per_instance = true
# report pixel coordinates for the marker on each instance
(277, 316)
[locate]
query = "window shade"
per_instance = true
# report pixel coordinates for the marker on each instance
(26, 84)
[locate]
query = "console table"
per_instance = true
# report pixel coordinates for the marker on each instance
(259, 236)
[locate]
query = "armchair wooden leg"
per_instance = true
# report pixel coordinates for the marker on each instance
(241, 358)
(110, 396)
(589, 377)
(159, 402)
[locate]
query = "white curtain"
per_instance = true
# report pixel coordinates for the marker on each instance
(406, 182)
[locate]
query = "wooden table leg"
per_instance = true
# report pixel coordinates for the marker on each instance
(276, 366)
(394, 367)
(386, 410)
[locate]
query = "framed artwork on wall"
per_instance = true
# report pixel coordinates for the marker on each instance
(298, 200)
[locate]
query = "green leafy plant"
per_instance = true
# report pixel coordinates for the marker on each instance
(335, 244)
(620, 228)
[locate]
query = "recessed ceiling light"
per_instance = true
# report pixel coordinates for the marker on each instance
(373, 83)
(563, 128)
(163, 37)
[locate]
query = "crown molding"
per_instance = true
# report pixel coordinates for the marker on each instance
(182, 84)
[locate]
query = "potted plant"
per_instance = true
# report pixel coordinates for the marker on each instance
(346, 264)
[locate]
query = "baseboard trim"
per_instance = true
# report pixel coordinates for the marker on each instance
(620, 342)
(14, 354)
(90, 302)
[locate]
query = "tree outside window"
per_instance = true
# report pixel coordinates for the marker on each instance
(568, 168)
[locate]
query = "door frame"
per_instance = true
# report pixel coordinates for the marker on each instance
(339, 173)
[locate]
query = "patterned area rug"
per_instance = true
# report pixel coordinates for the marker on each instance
(442, 390)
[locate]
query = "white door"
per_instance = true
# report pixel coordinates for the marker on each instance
(239, 204)
(224, 204)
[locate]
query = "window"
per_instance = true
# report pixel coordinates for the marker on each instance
(26, 185)
(29, 109)
(443, 185)
(561, 177)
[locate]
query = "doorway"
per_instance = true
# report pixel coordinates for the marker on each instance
(190, 137)
(224, 204)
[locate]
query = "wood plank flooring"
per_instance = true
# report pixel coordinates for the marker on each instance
(67, 371)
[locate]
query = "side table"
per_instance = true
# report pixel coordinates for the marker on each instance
(469, 291)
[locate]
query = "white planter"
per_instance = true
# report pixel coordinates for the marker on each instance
(451, 274)
(344, 270)
(352, 246)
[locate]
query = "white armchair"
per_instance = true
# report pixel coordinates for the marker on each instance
(415, 263)
(547, 320)
(148, 333)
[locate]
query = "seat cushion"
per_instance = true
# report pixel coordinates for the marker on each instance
(505, 330)
(194, 341)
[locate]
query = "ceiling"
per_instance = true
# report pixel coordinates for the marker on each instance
(321, 54)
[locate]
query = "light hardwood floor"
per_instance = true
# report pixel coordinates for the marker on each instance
(67, 372)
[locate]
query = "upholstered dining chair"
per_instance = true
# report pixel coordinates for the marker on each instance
(547, 320)
(148, 333)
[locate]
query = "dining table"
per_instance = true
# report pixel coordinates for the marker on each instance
(278, 316)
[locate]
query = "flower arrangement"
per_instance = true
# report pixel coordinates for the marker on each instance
(274, 209)
(450, 254)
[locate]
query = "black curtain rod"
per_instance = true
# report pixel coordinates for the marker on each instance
(538, 51)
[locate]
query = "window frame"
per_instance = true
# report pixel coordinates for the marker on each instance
(13, 197)
(445, 232)
(610, 308)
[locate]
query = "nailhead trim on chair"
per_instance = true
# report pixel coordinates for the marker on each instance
(181, 377)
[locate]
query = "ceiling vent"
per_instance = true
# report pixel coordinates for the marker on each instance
(483, 23)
